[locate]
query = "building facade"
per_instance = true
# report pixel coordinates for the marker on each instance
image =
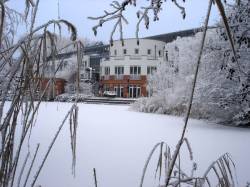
(125, 71)
(66, 67)
(121, 69)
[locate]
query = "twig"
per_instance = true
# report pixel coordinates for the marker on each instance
(22, 170)
(31, 166)
(95, 178)
(191, 96)
(51, 145)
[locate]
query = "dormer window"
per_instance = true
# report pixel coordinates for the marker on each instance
(124, 51)
(149, 52)
(136, 51)
(166, 55)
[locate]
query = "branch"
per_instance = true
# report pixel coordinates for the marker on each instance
(117, 14)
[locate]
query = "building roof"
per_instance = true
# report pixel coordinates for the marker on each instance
(95, 50)
(102, 50)
(169, 37)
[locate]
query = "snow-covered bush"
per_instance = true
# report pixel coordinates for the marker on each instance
(84, 88)
(66, 97)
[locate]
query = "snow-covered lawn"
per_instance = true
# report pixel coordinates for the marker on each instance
(117, 141)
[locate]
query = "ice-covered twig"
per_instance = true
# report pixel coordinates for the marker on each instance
(118, 15)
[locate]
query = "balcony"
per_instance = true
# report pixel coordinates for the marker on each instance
(135, 57)
(119, 58)
(106, 77)
(135, 77)
(152, 58)
(119, 77)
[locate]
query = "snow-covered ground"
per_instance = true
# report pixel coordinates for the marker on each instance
(117, 141)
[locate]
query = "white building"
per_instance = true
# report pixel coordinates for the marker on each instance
(125, 72)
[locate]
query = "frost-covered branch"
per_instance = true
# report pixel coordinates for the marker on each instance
(118, 15)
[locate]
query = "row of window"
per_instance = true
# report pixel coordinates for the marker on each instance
(136, 51)
(134, 70)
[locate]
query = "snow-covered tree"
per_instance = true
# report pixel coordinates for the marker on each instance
(171, 83)
(222, 90)
(237, 66)
(226, 92)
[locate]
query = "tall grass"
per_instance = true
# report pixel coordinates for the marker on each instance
(23, 68)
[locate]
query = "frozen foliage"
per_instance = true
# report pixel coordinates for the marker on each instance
(238, 69)
(171, 84)
(222, 90)
(143, 14)
(85, 90)
(66, 97)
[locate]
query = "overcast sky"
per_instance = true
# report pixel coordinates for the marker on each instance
(77, 11)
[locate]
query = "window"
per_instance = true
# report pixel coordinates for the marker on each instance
(124, 51)
(166, 55)
(159, 53)
(151, 70)
(83, 64)
(119, 70)
(107, 70)
(149, 52)
(115, 52)
(135, 70)
(134, 91)
(119, 90)
(136, 51)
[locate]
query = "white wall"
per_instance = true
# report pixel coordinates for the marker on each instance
(142, 59)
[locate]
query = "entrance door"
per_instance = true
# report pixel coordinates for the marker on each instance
(134, 91)
(118, 91)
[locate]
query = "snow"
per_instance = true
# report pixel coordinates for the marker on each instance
(116, 141)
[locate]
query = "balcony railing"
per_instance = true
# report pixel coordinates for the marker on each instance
(152, 58)
(119, 58)
(119, 77)
(135, 57)
(135, 77)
